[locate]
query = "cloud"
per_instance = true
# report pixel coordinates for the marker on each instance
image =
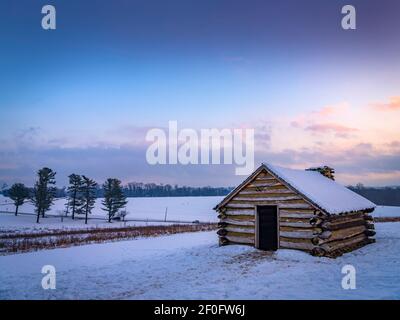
(339, 130)
(28, 133)
(36, 138)
(28, 136)
(321, 115)
(262, 136)
(308, 140)
(360, 162)
(125, 163)
(295, 124)
(392, 105)
(379, 178)
(361, 149)
(394, 144)
(332, 110)
(327, 120)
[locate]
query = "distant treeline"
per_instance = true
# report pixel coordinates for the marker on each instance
(389, 196)
(137, 189)
(160, 190)
(386, 196)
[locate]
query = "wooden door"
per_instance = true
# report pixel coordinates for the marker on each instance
(267, 226)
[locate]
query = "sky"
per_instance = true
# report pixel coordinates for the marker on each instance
(81, 98)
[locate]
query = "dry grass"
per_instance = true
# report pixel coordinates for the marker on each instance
(387, 219)
(23, 242)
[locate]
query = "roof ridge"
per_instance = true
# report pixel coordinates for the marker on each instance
(320, 191)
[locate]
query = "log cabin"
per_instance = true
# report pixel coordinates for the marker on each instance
(306, 210)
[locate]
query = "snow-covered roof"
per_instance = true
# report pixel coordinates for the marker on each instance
(327, 194)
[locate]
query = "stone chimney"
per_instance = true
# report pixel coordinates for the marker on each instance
(325, 171)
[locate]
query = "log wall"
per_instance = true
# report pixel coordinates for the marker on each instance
(343, 233)
(301, 225)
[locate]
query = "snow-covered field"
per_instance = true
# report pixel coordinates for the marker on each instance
(386, 211)
(178, 208)
(192, 266)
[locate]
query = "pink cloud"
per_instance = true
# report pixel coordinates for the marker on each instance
(340, 130)
(323, 115)
(392, 105)
(327, 111)
(331, 110)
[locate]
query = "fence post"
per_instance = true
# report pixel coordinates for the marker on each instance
(165, 216)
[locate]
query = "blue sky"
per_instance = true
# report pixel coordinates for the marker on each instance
(81, 98)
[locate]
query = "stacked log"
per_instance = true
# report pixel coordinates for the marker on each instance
(297, 232)
(328, 236)
(237, 226)
(301, 225)
(343, 233)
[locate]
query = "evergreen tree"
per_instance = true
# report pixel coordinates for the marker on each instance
(88, 191)
(114, 198)
(18, 193)
(44, 191)
(74, 193)
(3, 187)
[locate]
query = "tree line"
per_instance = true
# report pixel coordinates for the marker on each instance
(138, 189)
(385, 196)
(81, 195)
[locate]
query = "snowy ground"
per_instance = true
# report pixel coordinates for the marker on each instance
(192, 266)
(24, 223)
(178, 208)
